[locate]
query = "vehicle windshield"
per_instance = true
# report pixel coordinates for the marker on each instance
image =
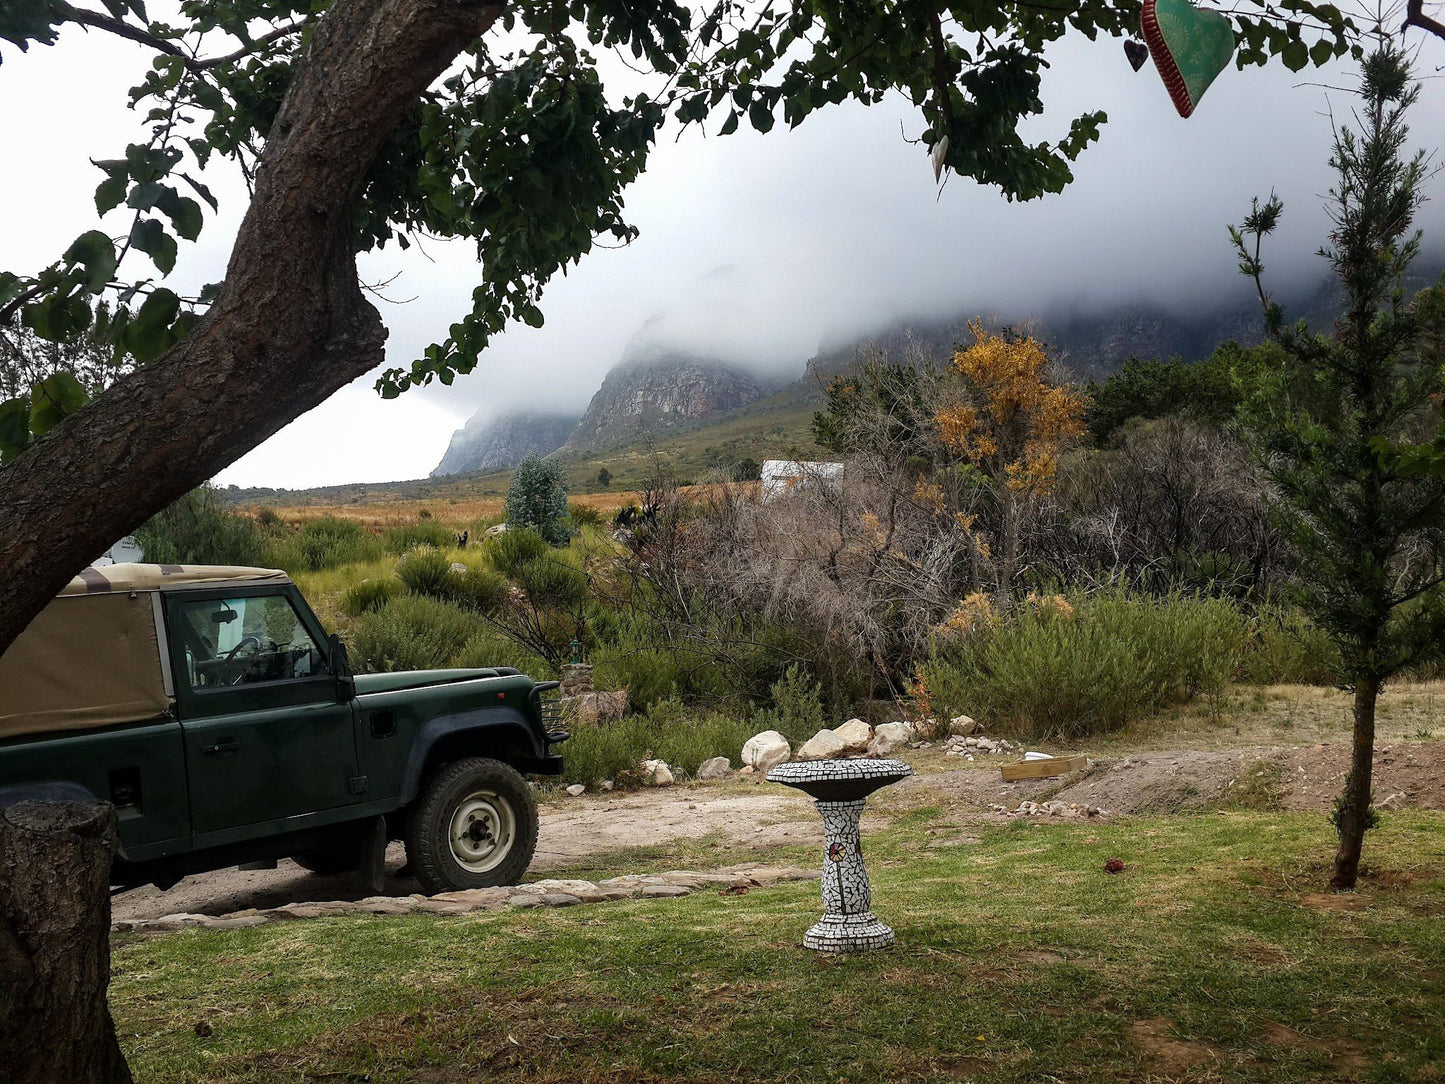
(241, 641)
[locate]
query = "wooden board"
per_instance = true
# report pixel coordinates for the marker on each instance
(1042, 769)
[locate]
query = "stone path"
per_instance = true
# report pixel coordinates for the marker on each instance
(551, 893)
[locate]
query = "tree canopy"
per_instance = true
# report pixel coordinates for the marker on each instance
(359, 124)
(522, 149)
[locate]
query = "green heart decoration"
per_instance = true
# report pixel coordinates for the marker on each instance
(1189, 46)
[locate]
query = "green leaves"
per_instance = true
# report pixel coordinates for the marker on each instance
(14, 428)
(52, 399)
(93, 252)
(24, 418)
(150, 332)
(150, 237)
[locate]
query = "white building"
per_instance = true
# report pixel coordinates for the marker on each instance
(782, 476)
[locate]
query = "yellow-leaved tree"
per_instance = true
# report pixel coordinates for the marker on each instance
(1008, 421)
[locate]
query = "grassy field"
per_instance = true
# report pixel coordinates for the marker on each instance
(1213, 956)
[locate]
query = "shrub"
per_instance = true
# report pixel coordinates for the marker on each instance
(369, 595)
(326, 543)
(510, 550)
(411, 535)
(427, 571)
(199, 530)
(616, 750)
(410, 633)
(1286, 648)
(797, 706)
(488, 648)
(537, 498)
(584, 515)
(1051, 672)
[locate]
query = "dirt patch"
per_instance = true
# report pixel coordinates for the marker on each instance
(745, 820)
(1344, 1053)
(1164, 1053)
(1164, 782)
(571, 830)
(1407, 774)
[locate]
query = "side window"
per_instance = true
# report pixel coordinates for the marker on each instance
(241, 641)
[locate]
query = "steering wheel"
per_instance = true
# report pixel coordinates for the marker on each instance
(252, 640)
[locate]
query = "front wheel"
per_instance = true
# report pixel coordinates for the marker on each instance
(475, 826)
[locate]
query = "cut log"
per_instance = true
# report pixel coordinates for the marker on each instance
(1042, 769)
(55, 1023)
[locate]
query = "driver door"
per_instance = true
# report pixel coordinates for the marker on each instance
(266, 739)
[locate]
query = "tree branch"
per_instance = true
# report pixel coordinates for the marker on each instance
(1415, 16)
(122, 29)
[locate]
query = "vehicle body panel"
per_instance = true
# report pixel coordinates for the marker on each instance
(245, 766)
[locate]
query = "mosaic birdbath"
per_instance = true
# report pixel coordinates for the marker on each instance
(840, 789)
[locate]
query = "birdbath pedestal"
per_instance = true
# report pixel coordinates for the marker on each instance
(840, 789)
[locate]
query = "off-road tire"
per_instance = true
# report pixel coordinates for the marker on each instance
(455, 792)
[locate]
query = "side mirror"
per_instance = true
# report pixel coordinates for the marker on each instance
(340, 668)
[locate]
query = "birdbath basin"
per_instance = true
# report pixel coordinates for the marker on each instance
(840, 789)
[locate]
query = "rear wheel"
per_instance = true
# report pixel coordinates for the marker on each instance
(474, 826)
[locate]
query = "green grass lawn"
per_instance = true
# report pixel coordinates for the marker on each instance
(1213, 956)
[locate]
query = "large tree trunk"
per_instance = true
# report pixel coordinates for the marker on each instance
(1354, 815)
(55, 1024)
(289, 328)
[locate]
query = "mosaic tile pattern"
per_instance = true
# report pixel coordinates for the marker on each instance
(848, 923)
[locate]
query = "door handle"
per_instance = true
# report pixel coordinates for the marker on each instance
(227, 746)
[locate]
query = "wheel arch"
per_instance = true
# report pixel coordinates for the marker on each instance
(499, 733)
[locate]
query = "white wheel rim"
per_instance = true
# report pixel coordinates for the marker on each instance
(481, 831)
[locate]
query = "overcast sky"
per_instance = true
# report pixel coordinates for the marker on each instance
(756, 248)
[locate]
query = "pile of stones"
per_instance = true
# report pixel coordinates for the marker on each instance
(969, 747)
(552, 893)
(855, 738)
(1049, 809)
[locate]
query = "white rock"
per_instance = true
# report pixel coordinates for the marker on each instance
(577, 790)
(715, 768)
(656, 773)
(500, 528)
(606, 784)
(765, 751)
(824, 745)
(457, 566)
(962, 724)
(855, 735)
(889, 738)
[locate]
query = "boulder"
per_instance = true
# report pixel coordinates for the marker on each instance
(577, 790)
(824, 745)
(855, 735)
(765, 751)
(962, 724)
(888, 738)
(715, 768)
(656, 773)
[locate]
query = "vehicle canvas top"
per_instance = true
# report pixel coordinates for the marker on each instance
(91, 658)
(127, 577)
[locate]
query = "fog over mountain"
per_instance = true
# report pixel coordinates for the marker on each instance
(762, 250)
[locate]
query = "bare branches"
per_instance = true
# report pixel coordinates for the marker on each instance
(122, 29)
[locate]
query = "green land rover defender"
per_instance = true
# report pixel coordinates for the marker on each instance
(211, 709)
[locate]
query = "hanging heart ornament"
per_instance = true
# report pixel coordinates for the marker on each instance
(1137, 52)
(1189, 46)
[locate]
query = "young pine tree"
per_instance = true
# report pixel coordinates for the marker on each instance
(1368, 536)
(537, 498)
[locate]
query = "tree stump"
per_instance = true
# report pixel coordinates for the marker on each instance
(55, 1023)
